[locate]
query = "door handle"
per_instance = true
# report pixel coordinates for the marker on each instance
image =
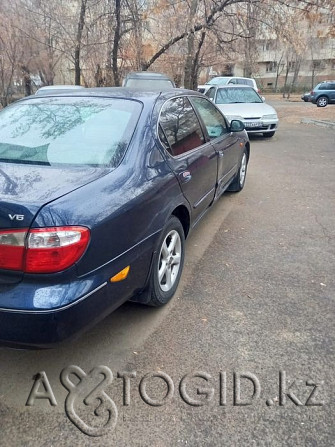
(185, 176)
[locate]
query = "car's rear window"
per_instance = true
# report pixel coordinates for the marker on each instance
(150, 84)
(68, 131)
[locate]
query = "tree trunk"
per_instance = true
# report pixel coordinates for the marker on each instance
(77, 51)
(26, 80)
(117, 37)
(109, 71)
(278, 71)
(250, 49)
(137, 26)
(190, 46)
(295, 76)
(286, 77)
(195, 66)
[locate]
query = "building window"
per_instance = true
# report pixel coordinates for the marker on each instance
(291, 66)
(269, 45)
(318, 65)
(271, 67)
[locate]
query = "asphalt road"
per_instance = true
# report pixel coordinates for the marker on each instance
(256, 299)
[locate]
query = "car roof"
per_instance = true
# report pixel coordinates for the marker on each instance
(326, 82)
(232, 86)
(231, 77)
(116, 92)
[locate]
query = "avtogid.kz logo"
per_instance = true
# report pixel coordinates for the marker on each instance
(196, 389)
(80, 391)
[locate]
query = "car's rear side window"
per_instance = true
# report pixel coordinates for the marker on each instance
(211, 93)
(68, 131)
(245, 82)
(324, 86)
(180, 126)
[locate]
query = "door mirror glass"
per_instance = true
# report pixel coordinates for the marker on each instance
(236, 126)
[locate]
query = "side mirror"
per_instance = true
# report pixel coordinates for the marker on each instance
(263, 99)
(236, 126)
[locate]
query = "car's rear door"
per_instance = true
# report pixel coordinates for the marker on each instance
(190, 156)
(225, 143)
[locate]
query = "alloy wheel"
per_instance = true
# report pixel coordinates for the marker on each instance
(169, 260)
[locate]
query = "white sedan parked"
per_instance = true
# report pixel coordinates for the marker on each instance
(244, 104)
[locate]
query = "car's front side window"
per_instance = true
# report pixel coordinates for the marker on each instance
(215, 123)
(181, 126)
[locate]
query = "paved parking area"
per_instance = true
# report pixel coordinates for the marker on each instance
(294, 110)
(256, 298)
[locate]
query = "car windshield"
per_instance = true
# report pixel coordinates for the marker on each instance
(236, 95)
(68, 131)
(150, 84)
(217, 81)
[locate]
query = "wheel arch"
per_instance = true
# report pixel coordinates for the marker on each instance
(247, 146)
(323, 95)
(182, 213)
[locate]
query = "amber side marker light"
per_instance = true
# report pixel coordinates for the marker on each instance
(121, 275)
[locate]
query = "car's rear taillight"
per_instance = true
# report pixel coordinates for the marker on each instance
(12, 249)
(42, 250)
(312, 92)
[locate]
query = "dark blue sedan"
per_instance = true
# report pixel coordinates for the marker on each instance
(98, 190)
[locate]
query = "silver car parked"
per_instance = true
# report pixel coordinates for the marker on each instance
(240, 102)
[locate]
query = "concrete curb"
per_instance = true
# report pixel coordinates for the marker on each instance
(328, 124)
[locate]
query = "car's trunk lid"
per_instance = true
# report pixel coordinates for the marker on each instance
(25, 188)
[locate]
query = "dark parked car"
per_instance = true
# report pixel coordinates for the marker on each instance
(148, 80)
(98, 191)
(306, 96)
(323, 94)
(51, 89)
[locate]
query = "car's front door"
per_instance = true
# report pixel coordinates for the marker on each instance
(225, 143)
(193, 160)
(332, 92)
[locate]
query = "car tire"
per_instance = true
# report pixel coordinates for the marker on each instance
(239, 180)
(168, 261)
(322, 101)
(268, 134)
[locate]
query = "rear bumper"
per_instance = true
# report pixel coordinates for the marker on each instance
(41, 314)
(47, 328)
